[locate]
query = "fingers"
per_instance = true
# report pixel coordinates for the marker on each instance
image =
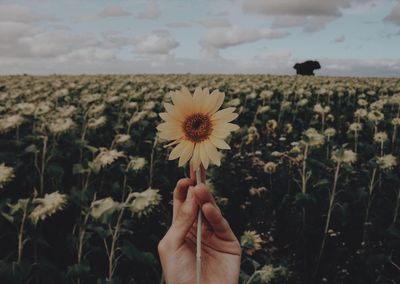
(203, 195)
(180, 194)
(218, 223)
(183, 221)
(202, 173)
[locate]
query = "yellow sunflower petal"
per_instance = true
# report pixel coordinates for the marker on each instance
(219, 143)
(211, 102)
(227, 117)
(169, 126)
(187, 153)
(226, 126)
(183, 102)
(203, 155)
(170, 135)
(221, 133)
(177, 151)
(222, 113)
(198, 100)
(219, 102)
(174, 112)
(212, 153)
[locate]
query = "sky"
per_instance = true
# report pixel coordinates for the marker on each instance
(348, 37)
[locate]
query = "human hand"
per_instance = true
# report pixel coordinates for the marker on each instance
(220, 249)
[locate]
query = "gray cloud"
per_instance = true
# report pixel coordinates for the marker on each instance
(220, 38)
(339, 39)
(394, 16)
(159, 42)
(151, 12)
(214, 22)
(312, 15)
(177, 24)
(114, 11)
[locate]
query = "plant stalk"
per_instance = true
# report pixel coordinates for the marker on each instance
(198, 240)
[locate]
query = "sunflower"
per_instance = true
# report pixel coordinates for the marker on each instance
(196, 126)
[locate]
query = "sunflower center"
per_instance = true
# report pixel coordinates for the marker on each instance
(197, 127)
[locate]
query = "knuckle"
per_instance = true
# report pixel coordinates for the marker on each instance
(162, 246)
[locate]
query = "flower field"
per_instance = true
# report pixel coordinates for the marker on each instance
(310, 187)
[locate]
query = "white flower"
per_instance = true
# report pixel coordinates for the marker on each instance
(302, 102)
(270, 167)
(266, 95)
(138, 116)
(375, 116)
(263, 109)
(10, 122)
(47, 206)
(94, 123)
(313, 138)
(96, 109)
(6, 174)
(362, 102)
(355, 127)
(42, 108)
(122, 138)
(26, 108)
(380, 137)
(234, 103)
(344, 156)
(106, 157)
(387, 162)
(61, 125)
(144, 202)
(66, 111)
(136, 163)
(321, 110)
(360, 113)
(101, 206)
(396, 121)
(330, 132)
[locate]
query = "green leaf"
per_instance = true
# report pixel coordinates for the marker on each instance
(31, 149)
(79, 169)
(78, 270)
(132, 253)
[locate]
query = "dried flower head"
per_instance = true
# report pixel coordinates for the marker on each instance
(144, 202)
(6, 175)
(251, 242)
(344, 156)
(270, 167)
(380, 137)
(61, 125)
(47, 206)
(355, 127)
(10, 122)
(94, 123)
(101, 206)
(330, 132)
(106, 157)
(313, 138)
(318, 108)
(136, 164)
(387, 162)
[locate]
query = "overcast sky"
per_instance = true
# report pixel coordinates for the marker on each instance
(348, 37)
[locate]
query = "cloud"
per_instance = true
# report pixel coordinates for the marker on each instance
(221, 38)
(151, 12)
(113, 11)
(312, 15)
(16, 13)
(178, 25)
(339, 39)
(394, 16)
(159, 42)
(214, 22)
